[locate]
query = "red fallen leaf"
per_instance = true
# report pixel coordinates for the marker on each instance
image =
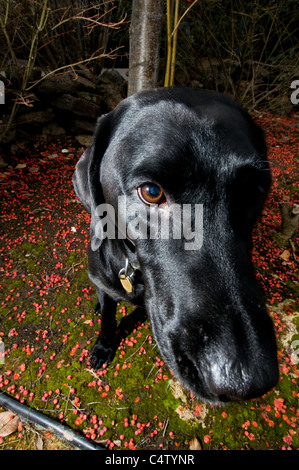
(9, 423)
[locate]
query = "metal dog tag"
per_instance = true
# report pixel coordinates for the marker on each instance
(126, 282)
(125, 279)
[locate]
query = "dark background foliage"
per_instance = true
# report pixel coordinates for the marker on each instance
(246, 49)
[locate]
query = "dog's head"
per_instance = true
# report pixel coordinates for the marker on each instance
(186, 175)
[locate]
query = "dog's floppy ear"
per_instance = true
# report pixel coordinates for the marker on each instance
(86, 178)
(81, 180)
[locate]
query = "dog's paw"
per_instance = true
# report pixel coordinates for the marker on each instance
(101, 355)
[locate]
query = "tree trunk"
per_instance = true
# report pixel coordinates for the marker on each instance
(145, 37)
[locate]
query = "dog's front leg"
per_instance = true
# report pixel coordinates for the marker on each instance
(106, 344)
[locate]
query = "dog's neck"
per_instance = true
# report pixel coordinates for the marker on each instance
(130, 245)
(127, 273)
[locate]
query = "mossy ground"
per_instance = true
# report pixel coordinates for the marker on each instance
(48, 326)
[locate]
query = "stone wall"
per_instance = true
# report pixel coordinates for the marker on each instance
(67, 103)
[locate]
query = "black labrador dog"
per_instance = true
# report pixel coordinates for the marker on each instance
(195, 163)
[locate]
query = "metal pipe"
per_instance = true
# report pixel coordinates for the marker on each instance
(60, 430)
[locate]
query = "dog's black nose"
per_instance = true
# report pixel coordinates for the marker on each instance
(219, 366)
(218, 380)
(236, 381)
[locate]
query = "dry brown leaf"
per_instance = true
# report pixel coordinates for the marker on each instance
(195, 444)
(39, 443)
(285, 255)
(9, 422)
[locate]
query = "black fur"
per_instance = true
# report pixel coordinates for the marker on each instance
(205, 308)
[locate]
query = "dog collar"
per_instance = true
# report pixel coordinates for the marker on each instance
(126, 276)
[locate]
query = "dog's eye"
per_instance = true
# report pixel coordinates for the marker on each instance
(151, 193)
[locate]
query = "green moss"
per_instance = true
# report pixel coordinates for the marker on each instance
(294, 190)
(73, 258)
(134, 389)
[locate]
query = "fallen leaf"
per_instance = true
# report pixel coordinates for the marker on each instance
(285, 255)
(20, 166)
(34, 169)
(9, 422)
(39, 443)
(195, 444)
(54, 155)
